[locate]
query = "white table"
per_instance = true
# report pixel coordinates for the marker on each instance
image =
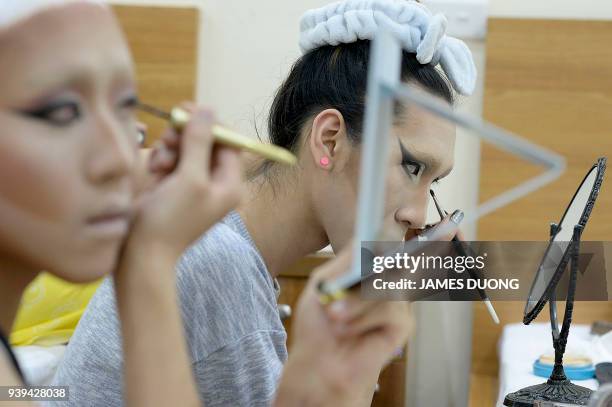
(520, 345)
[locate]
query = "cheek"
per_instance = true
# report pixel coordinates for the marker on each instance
(397, 190)
(35, 176)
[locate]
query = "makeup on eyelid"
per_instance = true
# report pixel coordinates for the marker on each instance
(418, 167)
(62, 111)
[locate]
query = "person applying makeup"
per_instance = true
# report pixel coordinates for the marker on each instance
(227, 281)
(68, 159)
(70, 168)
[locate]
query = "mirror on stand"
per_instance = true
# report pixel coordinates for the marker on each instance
(563, 249)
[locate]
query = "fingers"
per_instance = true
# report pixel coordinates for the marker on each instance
(339, 265)
(163, 159)
(382, 345)
(382, 338)
(446, 230)
(226, 165)
(385, 315)
(350, 308)
(171, 139)
(226, 175)
(196, 143)
(164, 156)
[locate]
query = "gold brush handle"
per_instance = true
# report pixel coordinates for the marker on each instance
(180, 117)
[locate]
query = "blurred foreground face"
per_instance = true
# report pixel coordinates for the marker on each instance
(68, 141)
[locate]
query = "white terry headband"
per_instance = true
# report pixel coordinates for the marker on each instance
(13, 11)
(418, 30)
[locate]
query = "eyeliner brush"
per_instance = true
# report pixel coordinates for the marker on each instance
(154, 111)
(462, 252)
(179, 118)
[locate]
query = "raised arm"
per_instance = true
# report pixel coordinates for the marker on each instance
(184, 202)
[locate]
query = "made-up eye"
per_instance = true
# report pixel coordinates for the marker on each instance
(126, 107)
(129, 102)
(57, 114)
(413, 170)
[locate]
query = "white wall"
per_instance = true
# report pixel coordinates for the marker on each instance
(552, 9)
(245, 50)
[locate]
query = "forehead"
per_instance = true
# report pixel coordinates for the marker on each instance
(79, 37)
(423, 132)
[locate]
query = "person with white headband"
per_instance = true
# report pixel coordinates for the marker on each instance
(68, 157)
(227, 281)
(68, 160)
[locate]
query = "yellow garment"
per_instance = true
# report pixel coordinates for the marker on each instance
(50, 310)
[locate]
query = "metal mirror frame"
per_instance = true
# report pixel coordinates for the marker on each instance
(384, 88)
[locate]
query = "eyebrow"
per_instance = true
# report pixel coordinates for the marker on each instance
(78, 75)
(430, 161)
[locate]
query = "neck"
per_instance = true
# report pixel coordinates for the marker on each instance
(282, 223)
(15, 277)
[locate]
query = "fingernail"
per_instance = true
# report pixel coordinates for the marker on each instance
(205, 114)
(457, 216)
(338, 308)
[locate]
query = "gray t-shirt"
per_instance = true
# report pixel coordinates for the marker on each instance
(228, 302)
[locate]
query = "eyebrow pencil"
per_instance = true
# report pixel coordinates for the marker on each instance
(463, 252)
(179, 118)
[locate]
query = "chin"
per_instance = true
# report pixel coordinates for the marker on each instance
(87, 270)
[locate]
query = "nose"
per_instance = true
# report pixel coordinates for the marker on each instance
(113, 150)
(413, 214)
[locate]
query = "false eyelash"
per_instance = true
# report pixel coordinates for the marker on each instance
(45, 113)
(130, 102)
(414, 175)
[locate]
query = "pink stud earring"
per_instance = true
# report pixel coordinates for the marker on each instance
(324, 161)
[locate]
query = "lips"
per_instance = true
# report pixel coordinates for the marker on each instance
(110, 223)
(412, 233)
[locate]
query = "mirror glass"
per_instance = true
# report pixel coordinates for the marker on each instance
(549, 268)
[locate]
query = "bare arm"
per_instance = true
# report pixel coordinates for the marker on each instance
(8, 376)
(157, 366)
(186, 198)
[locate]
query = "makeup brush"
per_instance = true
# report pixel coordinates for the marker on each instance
(463, 252)
(179, 118)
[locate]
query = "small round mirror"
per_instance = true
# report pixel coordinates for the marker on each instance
(556, 256)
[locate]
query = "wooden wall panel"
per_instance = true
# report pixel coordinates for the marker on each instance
(164, 44)
(551, 82)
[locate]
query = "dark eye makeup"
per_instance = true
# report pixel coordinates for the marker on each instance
(59, 113)
(63, 113)
(413, 168)
(130, 102)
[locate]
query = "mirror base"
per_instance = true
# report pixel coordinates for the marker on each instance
(560, 391)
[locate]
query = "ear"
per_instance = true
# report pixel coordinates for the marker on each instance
(328, 139)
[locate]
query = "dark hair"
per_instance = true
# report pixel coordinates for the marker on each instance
(335, 77)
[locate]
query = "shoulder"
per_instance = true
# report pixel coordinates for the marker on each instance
(225, 290)
(221, 256)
